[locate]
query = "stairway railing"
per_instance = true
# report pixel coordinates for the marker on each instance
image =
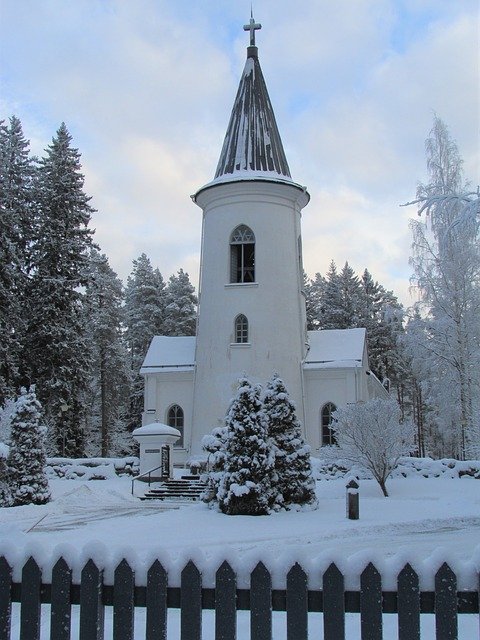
(146, 473)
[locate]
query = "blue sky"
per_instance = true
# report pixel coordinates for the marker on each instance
(146, 90)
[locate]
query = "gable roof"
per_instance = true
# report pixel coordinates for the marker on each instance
(174, 353)
(335, 348)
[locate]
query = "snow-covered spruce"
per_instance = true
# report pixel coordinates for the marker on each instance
(293, 480)
(27, 458)
(246, 485)
(5, 493)
(372, 435)
(215, 446)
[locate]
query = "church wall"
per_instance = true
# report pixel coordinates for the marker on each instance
(340, 386)
(273, 305)
(172, 387)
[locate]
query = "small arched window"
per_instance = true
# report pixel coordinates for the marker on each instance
(241, 329)
(175, 419)
(242, 255)
(328, 434)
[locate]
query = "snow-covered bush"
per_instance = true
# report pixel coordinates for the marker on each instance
(27, 458)
(293, 482)
(371, 435)
(245, 487)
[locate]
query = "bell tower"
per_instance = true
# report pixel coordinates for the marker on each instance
(251, 316)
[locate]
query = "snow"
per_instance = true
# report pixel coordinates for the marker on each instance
(425, 521)
(336, 347)
(169, 352)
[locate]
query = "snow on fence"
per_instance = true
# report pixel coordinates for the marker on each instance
(156, 596)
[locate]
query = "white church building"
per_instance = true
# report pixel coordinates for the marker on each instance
(251, 312)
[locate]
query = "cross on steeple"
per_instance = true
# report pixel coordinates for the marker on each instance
(252, 27)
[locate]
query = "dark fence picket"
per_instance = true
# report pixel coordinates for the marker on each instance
(446, 604)
(260, 603)
(5, 599)
(191, 603)
(408, 604)
(225, 603)
(123, 604)
(30, 601)
(61, 610)
(371, 604)
(333, 604)
(297, 604)
(156, 603)
(296, 600)
(92, 611)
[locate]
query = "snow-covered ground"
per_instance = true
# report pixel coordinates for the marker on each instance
(425, 521)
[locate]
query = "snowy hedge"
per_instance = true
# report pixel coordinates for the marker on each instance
(91, 468)
(407, 468)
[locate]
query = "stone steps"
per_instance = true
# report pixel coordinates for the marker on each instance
(188, 488)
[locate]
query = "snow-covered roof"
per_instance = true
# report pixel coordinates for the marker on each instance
(335, 348)
(167, 353)
(252, 142)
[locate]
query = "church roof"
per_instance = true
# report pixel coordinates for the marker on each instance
(330, 348)
(169, 353)
(252, 143)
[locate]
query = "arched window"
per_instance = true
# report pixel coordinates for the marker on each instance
(328, 435)
(242, 255)
(175, 419)
(241, 329)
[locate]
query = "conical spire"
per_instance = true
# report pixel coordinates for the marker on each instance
(252, 143)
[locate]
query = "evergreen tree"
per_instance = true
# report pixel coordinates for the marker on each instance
(180, 313)
(314, 291)
(215, 444)
(293, 478)
(382, 316)
(109, 377)
(56, 352)
(27, 458)
(5, 493)
(144, 316)
(246, 484)
(16, 171)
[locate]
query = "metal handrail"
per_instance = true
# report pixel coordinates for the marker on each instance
(146, 473)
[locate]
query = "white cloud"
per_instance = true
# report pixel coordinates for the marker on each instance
(146, 90)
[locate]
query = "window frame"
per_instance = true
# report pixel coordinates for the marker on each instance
(242, 255)
(177, 421)
(326, 420)
(241, 329)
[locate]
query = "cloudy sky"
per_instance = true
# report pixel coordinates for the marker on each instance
(146, 88)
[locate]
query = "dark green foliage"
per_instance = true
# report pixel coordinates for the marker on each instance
(293, 480)
(16, 171)
(180, 313)
(56, 354)
(246, 484)
(27, 458)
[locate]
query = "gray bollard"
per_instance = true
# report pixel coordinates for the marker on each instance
(353, 507)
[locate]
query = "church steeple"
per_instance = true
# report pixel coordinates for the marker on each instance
(252, 143)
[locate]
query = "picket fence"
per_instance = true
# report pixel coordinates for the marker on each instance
(408, 602)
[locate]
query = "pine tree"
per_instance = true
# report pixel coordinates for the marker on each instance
(246, 484)
(56, 352)
(109, 377)
(180, 314)
(5, 493)
(16, 171)
(27, 458)
(293, 478)
(144, 317)
(340, 299)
